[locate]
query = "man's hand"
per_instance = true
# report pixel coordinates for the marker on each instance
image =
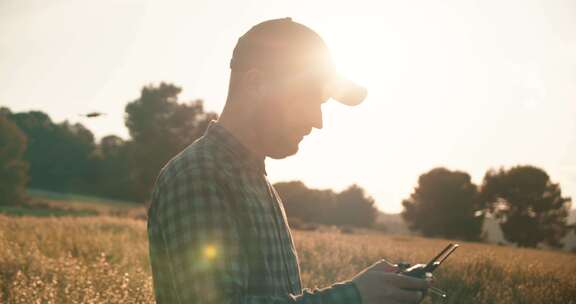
(380, 283)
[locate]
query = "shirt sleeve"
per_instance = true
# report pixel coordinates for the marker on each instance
(205, 255)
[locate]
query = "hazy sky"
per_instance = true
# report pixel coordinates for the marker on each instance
(464, 84)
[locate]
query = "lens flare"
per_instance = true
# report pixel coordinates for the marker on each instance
(210, 252)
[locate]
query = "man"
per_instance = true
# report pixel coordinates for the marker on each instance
(217, 228)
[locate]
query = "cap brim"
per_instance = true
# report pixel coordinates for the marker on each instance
(346, 92)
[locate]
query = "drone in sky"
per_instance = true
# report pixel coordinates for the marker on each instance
(93, 114)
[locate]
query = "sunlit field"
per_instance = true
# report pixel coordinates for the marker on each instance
(104, 259)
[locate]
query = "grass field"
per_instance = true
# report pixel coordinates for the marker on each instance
(104, 259)
(47, 203)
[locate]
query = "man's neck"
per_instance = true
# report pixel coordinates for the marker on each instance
(239, 124)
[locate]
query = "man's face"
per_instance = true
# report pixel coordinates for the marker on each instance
(289, 110)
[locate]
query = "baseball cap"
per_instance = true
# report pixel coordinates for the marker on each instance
(287, 46)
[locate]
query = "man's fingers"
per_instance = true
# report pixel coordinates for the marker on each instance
(407, 296)
(406, 282)
(383, 266)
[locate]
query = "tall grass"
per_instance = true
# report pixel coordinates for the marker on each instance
(105, 260)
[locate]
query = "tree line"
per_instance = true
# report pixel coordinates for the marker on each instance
(38, 153)
(528, 206)
(64, 157)
(350, 207)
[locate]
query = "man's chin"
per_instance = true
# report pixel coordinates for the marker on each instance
(283, 153)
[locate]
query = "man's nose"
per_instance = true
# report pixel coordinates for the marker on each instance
(317, 119)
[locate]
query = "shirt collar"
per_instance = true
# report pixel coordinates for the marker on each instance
(223, 137)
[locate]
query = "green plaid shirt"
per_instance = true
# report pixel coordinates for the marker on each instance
(218, 232)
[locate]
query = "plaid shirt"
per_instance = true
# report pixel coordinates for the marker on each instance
(218, 232)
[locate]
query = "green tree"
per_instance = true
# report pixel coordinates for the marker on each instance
(308, 205)
(59, 154)
(160, 127)
(350, 207)
(13, 168)
(529, 207)
(112, 169)
(445, 204)
(354, 208)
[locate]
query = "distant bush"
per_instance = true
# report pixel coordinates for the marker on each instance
(325, 207)
(296, 223)
(380, 227)
(346, 229)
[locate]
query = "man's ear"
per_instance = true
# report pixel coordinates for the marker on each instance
(253, 84)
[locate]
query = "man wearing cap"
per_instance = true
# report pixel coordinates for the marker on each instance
(216, 226)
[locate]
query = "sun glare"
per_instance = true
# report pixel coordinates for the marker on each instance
(210, 252)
